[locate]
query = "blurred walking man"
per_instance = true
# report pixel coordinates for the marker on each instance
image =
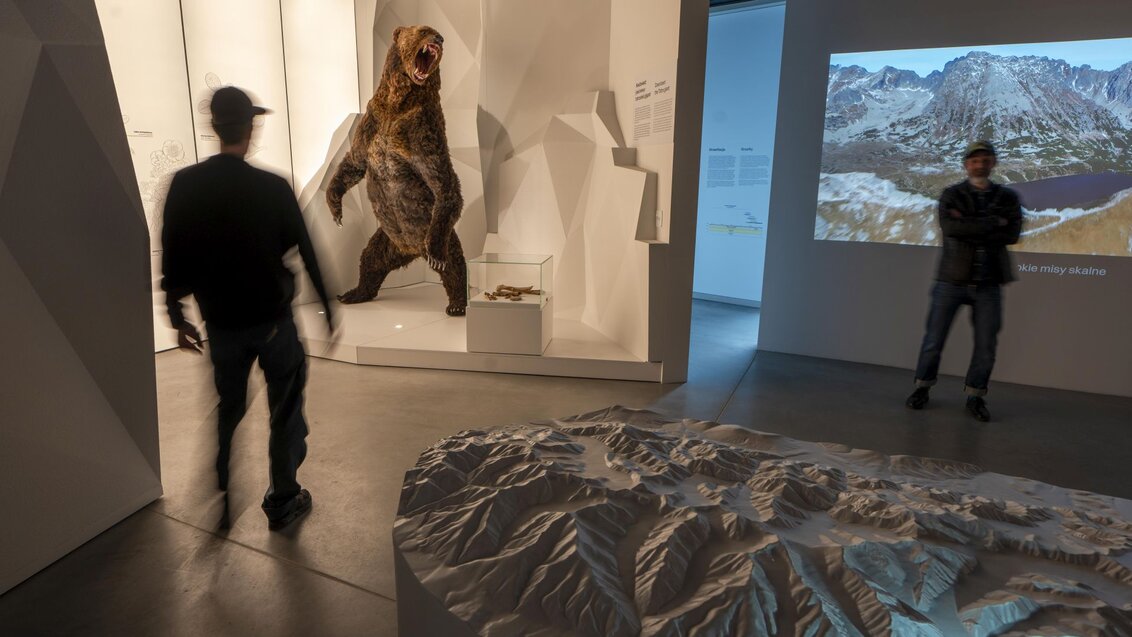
(979, 218)
(227, 228)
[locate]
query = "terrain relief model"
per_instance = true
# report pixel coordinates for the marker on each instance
(894, 139)
(622, 522)
(401, 147)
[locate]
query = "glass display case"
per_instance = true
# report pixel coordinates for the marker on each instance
(510, 305)
(513, 280)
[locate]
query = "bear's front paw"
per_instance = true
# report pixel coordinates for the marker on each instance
(434, 263)
(436, 249)
(456, 309)
(357, 295)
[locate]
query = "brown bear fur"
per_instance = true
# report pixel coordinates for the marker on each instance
(402, 147)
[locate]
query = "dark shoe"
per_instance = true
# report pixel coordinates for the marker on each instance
(918, 399)
(978, 408)
(281, 516)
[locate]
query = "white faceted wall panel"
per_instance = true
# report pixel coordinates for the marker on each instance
(239, 43)
(78, 412)
(147, 55)
(575, 194)
(632, 58)
(320, 58)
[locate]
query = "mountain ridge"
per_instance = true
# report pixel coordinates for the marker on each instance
(1039, 107)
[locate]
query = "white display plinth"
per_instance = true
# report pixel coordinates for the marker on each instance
(407, 327)
(510, 327)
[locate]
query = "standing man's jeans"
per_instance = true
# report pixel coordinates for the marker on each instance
(284, 365)
(986, 318)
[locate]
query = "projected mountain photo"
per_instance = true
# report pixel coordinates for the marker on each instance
(896, 124)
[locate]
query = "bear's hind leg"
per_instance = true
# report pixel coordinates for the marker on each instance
(378, 259)
(454, 276)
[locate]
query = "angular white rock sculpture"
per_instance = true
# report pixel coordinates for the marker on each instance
(622, 522)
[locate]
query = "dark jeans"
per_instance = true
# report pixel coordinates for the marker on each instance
(986, 318)
(284, 365)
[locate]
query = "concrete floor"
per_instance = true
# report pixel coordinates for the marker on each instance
(173, 569)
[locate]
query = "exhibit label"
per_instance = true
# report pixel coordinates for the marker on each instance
(654, 107)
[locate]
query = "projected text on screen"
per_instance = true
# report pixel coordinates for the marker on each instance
(1060, 114)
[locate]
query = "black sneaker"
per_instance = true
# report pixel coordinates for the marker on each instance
(978, 408)
(918, 399)
(281, 516)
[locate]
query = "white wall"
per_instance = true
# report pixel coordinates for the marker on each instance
(740, 114)
(548, 191)
(239, 44)
(867, 302)
(321, 63)
(153, 93)
(78, 406)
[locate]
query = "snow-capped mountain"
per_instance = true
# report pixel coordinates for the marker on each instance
(1030, 106)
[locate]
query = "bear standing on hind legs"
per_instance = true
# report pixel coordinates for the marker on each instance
(401, 146)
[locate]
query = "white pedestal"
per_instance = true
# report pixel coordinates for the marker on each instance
(510, 327)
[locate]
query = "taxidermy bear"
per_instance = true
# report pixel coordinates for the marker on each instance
(401, 146)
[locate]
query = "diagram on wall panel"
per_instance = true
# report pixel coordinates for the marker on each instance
(734, 173)
(155, 161)
(147, 58)
(732, 219)
(654, 106)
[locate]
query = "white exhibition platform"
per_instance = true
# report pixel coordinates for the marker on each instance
(407, 327)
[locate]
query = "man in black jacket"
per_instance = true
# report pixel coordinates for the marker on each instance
(227, 228)
(979, 218)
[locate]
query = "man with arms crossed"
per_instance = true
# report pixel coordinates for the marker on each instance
(227, 228)
(979, 218)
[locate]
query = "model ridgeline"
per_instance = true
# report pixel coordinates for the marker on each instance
(402, 146)
(621, 522)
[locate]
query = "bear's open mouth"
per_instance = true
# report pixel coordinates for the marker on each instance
(425, 61)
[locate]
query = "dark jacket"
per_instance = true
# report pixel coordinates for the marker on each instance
(971, 238)
(227, 227)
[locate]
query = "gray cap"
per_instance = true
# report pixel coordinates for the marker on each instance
(980, 146)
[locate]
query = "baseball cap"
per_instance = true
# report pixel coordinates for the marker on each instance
(980, 146)
(230, 105)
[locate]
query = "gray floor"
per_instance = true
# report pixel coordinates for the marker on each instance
(171, 569)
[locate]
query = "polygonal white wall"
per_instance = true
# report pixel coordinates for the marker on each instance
(574, 193)
(78, 408)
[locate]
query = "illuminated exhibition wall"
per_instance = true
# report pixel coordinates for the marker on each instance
(740, 111)
(297, 58)
(78, 404)
(862, 298)
(582, 147)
